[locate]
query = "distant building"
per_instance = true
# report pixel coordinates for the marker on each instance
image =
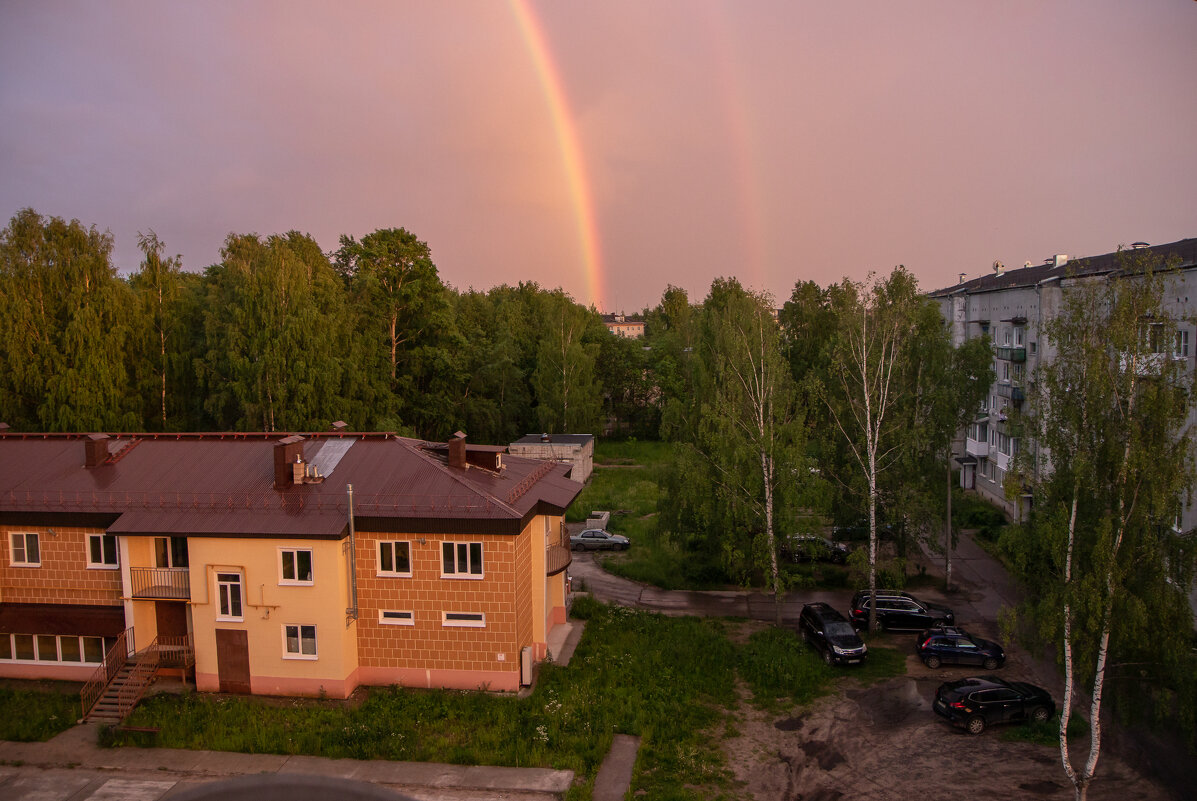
(236, 556)
(574, 449)
(630, 326)
(1011, 308)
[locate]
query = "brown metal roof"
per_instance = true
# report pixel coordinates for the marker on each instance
(223, 484)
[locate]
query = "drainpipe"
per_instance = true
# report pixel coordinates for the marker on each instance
(351, 612)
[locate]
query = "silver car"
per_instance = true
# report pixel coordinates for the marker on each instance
(595, 539)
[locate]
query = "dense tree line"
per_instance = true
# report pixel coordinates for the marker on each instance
(279, 335)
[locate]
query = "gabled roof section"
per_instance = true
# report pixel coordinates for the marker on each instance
(1185, 250)
(225, 485)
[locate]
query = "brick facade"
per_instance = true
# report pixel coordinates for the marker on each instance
(63, 577)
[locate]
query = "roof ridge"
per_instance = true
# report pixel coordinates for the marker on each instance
(419, 451)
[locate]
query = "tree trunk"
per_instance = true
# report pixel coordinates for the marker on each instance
(947, 546)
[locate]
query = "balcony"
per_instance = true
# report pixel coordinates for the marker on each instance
(1012, 354)
(1011, 392)
(556, 559)
(164, 583)
(976, 447)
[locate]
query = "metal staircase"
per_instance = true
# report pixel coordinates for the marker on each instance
(120, 682)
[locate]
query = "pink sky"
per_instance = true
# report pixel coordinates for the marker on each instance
(776, 142)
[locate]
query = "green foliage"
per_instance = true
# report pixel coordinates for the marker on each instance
(1045, 733)
(36, 715)
(65, 326)
(781, 670)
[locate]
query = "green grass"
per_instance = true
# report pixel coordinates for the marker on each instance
(781, 670)
(1047, 732)
(37, 714)
(665, 679)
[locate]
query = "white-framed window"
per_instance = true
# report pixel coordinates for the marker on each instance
(1181, 349)
(1018, 372)
(1006, 336)
(170, 552)
(1032, 348)
(394, 558)
(67, 648)
(228, 591)
(461, 560)
(1005, 371)
(1018, 336)
(299, 642)
(102, 552)
(470, 620)
(24, 549)
(295, 566)
(396, 617)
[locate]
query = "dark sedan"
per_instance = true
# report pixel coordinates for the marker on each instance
(982, 701)
(595, 539)
(955, 646)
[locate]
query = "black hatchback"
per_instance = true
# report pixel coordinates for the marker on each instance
(983, 701)
(826, 630)
(955, 646)
(900, 610)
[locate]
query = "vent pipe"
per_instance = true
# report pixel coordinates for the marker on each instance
(351, 612)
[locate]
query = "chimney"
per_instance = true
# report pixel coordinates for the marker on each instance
(96, 450)
(544, 437)
(288, 451)
(457, 450)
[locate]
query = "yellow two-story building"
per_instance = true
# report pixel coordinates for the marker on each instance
(279, 564)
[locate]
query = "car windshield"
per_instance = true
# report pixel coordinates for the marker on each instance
(839, 628)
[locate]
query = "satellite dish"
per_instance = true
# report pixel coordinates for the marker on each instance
(998, 266)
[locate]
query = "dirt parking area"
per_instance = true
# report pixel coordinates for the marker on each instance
(884, 742)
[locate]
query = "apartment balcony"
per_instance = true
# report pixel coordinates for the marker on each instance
(1012, 354)
(976, 447)
(161, 583)
(556, 559)
(1011, 392)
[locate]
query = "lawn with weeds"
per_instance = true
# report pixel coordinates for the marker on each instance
(28, 715)
(666, 679)
(1047, 732)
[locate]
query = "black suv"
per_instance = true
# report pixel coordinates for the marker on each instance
(953, 646)
(900, 610)
(826, 630)
(986, 700)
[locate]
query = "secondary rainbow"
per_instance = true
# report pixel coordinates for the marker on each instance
(571, 152)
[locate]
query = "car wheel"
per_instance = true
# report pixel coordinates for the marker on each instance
(932, 662)
(1039, 714)
(579, 546)
(990, 664)
(975, 725)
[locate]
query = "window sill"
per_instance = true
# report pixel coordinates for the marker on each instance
(302, 657)
(386, 574)
(285, 583)
(466, 576)
(103, 567)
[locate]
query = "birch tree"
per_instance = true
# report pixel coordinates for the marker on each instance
(750, 428)
(1111, 413)
(864, 388)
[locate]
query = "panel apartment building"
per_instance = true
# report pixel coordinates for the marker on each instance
(1011, 307)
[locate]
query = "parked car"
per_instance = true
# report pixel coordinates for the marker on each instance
(596, 539)
(900, 611)
(955, 646)
(828, 632)
(983, 701)
(812, 548)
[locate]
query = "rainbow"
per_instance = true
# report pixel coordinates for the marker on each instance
(571, 152)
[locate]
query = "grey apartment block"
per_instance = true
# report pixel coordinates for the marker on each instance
(577, 449)
(1011, 307)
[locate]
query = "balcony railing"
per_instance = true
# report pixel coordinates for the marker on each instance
(171, 583)
(976, 447)
(1012, 354)
(1012, 392)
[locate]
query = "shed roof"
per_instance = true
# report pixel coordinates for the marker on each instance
(223, 485)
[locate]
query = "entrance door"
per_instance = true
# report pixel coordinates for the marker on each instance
(171, 618)
(232, 660)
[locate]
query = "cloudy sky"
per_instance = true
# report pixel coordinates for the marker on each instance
(613, 148)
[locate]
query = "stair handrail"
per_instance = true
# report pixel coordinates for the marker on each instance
(144, 668)
(114, 660)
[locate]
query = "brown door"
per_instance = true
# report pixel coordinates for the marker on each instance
(172, 619)
(232, 660)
